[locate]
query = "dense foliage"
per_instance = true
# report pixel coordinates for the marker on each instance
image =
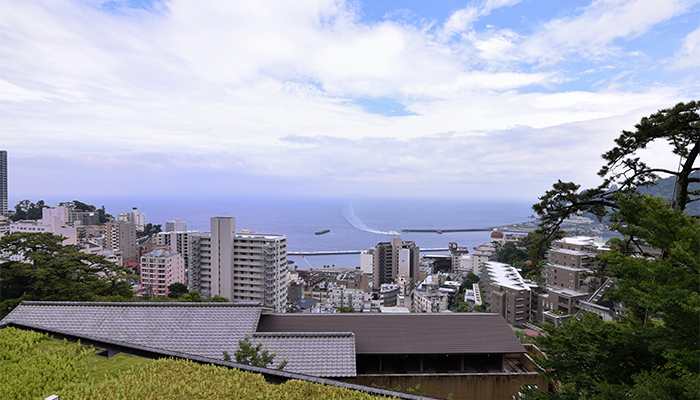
(654, 350)
(50, 271)
(33, 366)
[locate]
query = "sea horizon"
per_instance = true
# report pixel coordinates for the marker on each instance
(355, 222)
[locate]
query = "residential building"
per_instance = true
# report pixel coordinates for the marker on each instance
(175, 226)
(159, 269)
(120, 236)
(558, 304)
(53, 221)
(3, 183)
(243, 267)
(393, 259)
(456, 254)
(506, 291)
(135, 217)
(367, 260)
(186, 243)
(80, 217)
(349, 298)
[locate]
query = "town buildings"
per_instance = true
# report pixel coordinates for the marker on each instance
(134, 217)
(54, 220)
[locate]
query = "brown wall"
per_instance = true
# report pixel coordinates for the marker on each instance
(491, 386)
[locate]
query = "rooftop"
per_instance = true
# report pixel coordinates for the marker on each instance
(506, 276)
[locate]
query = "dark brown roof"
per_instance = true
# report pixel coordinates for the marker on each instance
(444, 333)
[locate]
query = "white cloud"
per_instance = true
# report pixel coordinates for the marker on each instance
(593, 31)
(251, 94)
(689, 54)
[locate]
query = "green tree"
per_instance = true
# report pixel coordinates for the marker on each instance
(192, 297)
(150, 229)
(26, 210)
(510, 254)
(654, 351)
(176, 290)
(51, 271)
(219, 299)
(624, 171)
(253, 354)
(344, 309)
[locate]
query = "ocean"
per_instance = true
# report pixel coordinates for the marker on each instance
(355, 223)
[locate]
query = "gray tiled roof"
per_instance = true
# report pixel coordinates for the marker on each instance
(203, 329)
(317, 354)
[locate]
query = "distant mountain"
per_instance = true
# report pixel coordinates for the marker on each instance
(664, 188)
(661, 188)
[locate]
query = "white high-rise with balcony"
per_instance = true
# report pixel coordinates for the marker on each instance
(242, 267)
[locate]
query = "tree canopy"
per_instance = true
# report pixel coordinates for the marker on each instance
(624, 171)
(654, 350)
(50, 271)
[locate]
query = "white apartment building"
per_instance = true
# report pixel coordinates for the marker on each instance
(243, 267)
(160, 269)
(135, 217)
(506, 291)
(176, 226)
(186, 243)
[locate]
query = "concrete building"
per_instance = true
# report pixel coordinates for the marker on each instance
(120, 236)
(428, 298)
(570, 260)
(81, 217)
(160, 269)
(243, 267)
(48, 226)
(3, 183)
(393, 259)
(135, 217)
(506, 291)
(367, 260)
(349, 298)
(456, 254)
(557, 303)
(186, 243)
(54, 220)
(175, 226)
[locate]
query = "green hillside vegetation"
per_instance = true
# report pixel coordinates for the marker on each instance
(34, 366)
(664, 188)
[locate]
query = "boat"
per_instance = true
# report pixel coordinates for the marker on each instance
(323, 232)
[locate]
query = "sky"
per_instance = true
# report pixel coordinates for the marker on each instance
(470, 99)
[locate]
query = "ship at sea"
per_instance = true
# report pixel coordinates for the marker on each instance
(323, 232)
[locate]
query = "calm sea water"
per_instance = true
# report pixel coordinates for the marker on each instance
(355, 223)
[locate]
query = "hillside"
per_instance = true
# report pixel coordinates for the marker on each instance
(34, 366)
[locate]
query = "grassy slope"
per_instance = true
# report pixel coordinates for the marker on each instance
(34, 366)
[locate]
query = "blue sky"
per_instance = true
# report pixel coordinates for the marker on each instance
(490, 98)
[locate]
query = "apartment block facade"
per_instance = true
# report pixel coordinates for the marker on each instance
(393, 259)
(243, 267)
(186, 243)
(506, 291)
(160, 269)
(121, 236)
